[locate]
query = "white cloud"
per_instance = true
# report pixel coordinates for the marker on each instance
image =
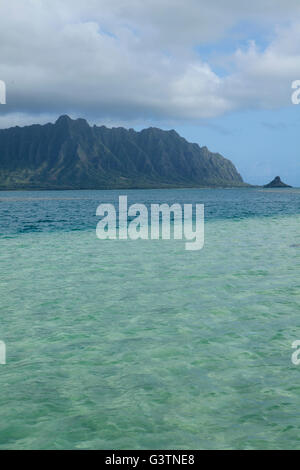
(124, 60)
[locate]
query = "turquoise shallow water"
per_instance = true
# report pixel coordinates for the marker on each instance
(141, 344)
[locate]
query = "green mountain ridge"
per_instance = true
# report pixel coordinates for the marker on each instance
(70, 154)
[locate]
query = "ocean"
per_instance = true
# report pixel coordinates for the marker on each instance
(122, 344)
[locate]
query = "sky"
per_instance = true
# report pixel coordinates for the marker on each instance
(218, 72)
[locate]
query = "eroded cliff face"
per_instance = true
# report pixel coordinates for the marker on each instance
(70, 154)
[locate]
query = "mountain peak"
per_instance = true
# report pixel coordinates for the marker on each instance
(63, 118)
(75, 125)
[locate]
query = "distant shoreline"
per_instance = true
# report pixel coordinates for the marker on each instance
(244, 186)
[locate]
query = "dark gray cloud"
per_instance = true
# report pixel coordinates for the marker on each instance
(127, 60)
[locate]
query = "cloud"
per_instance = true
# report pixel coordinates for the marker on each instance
(275, 126)
(123, 61)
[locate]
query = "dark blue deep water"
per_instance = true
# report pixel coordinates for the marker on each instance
(42, 211)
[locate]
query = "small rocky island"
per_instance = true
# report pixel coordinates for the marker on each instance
(277, 183)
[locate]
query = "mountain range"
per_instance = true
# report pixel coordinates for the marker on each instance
(71, 154)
